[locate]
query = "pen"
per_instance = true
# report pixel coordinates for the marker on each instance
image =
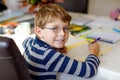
(95, 40)
(116, 30)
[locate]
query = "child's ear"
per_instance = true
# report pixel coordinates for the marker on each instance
(38, 31)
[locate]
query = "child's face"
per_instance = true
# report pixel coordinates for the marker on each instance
(55, 33)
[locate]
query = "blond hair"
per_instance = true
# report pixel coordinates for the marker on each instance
(47, 12)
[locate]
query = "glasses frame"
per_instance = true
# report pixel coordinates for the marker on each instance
(56, 29)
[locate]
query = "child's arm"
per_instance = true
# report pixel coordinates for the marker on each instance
(67, 65)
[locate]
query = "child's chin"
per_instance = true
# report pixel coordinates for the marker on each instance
(60, 46)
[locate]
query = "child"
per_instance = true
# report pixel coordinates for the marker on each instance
(44, 54)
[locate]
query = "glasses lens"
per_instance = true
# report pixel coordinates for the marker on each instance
(66, 29)
(56, 29)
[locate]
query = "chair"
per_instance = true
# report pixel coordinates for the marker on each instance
(12, 63)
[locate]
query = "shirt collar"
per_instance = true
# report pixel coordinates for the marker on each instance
(42, 43)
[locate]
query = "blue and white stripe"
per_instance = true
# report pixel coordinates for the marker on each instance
(44, 62)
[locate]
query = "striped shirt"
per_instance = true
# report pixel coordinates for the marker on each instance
(44, 62)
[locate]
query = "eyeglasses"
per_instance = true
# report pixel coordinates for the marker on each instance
(56, 29)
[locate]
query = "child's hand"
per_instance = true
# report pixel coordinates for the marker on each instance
(94, 48)
(62, 50)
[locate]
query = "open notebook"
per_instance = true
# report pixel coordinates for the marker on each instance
(105, 36)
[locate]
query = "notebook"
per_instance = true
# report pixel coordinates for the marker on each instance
(105, 36)
(81, 21)
(106, 21)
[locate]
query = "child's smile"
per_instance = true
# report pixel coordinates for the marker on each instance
(58, 32)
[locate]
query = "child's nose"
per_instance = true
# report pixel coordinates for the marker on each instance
(62, 32)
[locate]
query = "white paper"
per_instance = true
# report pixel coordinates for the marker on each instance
(81, 21)
(105, 36)
(106, 21)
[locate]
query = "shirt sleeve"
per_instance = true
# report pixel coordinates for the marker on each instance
(64, 64)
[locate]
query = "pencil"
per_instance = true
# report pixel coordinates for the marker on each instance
(95, 40)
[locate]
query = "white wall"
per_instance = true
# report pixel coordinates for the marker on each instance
(102, 7)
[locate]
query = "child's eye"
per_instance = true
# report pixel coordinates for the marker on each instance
(55, 28)
(66, 29)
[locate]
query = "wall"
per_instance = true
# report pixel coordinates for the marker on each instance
(102, 7)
